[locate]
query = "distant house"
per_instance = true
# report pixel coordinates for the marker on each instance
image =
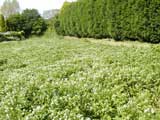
(47, 14)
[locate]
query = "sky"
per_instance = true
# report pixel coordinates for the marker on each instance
(41, 5)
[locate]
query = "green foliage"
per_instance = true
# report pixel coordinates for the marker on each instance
(69, 79)
(51, 31)
(2, 23)
(56, 25)
(11, 36)
(15, 23)
(34, 23)
(118, 19)
(29, 21)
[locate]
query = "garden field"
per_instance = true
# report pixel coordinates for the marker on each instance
(63, 78)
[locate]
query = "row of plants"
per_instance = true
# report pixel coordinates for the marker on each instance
(118, 19)
(26, 24)
(12, 36)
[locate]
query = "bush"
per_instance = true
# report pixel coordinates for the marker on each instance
(15, 22)
(129, 19)
(2, 23)
(29, 21)
(10, 36)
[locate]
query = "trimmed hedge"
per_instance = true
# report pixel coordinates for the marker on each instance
(11, 36)
(118, 19)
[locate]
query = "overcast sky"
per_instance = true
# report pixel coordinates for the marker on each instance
(41, 5)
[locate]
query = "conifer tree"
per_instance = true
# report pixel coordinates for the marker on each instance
(118, 19)
(2, 23)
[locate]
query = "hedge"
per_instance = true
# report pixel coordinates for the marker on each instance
(11, 36)
(118, 19)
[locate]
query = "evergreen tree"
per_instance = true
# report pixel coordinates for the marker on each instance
(118, 19)
(2, 23)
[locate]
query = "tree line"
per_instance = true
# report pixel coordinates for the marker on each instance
(118, 19)
(29, 21)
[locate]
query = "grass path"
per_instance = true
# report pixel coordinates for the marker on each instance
(112, 42)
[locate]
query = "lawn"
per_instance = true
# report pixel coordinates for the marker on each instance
(79, 79)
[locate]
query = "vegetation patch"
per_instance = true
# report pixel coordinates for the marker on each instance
(67, 78)
(11, 36)
(117, 19)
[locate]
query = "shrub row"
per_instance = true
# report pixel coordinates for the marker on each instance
(10, 36)
(118, 19)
